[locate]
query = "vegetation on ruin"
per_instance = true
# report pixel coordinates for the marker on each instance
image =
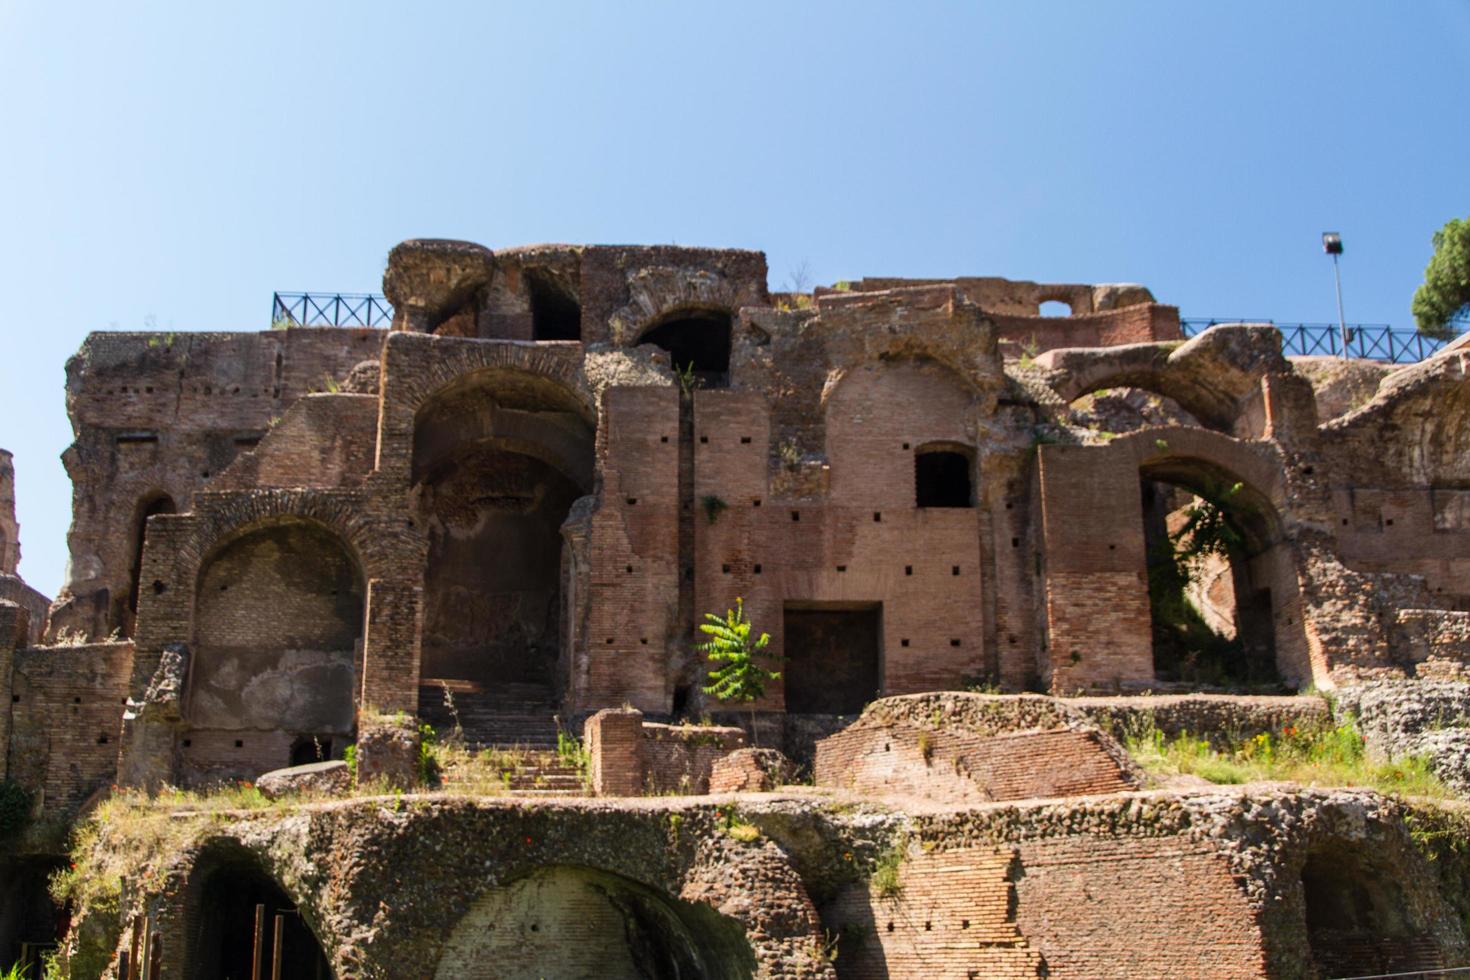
(429, 768)
(884, 879)
(740, 676)
(15, 808)
(1445, 294)
(713, 506)
(737, 828)
(1320, 757)
(685, 374)
(571, 752)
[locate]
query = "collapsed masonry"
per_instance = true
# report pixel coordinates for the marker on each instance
(509, 511)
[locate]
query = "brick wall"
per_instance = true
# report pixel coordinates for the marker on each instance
(1095, 908)
(625, 622)
(1097, 609)
(631, 757)
(1084, 907)
(1139, 324)
(953, 915)
(65, 716)
(164, 414)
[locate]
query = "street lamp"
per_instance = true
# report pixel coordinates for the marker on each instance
(1332, 245)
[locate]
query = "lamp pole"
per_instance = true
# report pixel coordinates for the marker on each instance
(1332, 245)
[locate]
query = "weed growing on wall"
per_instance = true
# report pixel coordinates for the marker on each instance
(713, 506)
(884, 879)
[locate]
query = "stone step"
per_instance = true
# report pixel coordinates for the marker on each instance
(510, 715)
(550, 792)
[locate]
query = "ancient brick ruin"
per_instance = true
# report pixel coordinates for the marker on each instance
(507, 513)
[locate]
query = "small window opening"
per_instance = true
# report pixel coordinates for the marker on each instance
(310, 748)
(555, 313)
(697, 342)
(942, 479)
(1054, 307)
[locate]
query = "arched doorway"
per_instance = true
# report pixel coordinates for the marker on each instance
(277, 626)
(578, 923)
(241, 921)
(1216, 569)
(498, 460)
(698, 343)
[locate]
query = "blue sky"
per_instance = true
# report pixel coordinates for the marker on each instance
(173, 164)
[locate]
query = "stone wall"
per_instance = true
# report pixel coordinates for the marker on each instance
(1223, 883)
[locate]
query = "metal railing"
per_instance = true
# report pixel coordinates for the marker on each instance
(330, 310)
(1371, 341)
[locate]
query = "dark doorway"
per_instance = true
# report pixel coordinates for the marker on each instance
(500, 456)
(30, 922)
(942, 479)
(555, 312)
(225, 936)
(1356, 919)
(699, 344)
(832, 664)
(492, 589)
(1212, 621)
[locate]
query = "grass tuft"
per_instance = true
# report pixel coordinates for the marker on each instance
(1325, 757)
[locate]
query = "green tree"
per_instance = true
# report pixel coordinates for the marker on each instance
(738, 676)
(1445, 294)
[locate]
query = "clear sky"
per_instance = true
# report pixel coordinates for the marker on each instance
(171, 164)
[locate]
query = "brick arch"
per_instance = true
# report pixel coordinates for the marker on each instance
(535, 431)
(958, 362)
(278, 620)
(419, 368)
(1207, 462)
(1145, 366)
(1181, 450)
(1387, 881)
(661, 294)
(204, 941)
(224, 519)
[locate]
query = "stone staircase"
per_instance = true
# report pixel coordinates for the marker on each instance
(544, 774)
(513, 715)
(516, 723)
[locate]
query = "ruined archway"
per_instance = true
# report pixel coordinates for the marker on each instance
(237, 915)
(278, 616)
(698, 342)
(498, 459)
(566, 921)
(1222, 584)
